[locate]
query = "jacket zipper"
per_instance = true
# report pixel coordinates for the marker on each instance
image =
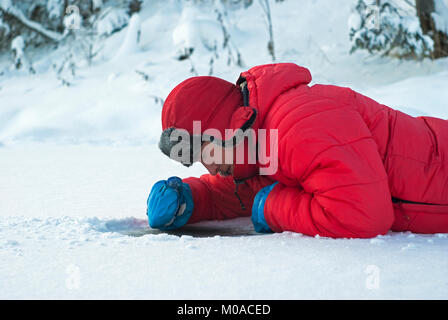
(245, 92)
(396, 200)
(237, 183)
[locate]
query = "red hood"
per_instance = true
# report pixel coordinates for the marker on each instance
(266, 82)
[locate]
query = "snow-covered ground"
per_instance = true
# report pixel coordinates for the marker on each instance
(77, 163)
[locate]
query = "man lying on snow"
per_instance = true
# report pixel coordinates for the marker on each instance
(335, 163)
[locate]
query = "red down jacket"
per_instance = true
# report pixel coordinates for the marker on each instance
(348, 166)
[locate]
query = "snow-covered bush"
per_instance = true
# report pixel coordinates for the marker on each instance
(131, 41)
(17, 50)
(55, 8)
(196, 30)
(97, 4)
(203, 35)
(19, 58)
(65, 69)
(382, 27)
(4, 27)
(72, 19)
(236, 4)
(42, 22)
(111, 21)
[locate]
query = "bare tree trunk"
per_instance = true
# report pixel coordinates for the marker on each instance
(425, 8)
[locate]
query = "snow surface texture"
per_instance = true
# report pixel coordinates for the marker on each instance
(77, 163)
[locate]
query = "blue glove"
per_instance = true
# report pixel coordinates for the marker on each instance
(170, 204)
(258, 220)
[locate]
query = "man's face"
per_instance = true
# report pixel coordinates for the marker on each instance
(214, 160)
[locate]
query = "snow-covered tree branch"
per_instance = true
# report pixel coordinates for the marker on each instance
(400, 28)
(384, 27)
(10, 10)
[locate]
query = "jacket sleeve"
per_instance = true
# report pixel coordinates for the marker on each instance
(214, 198)
(340, 184)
